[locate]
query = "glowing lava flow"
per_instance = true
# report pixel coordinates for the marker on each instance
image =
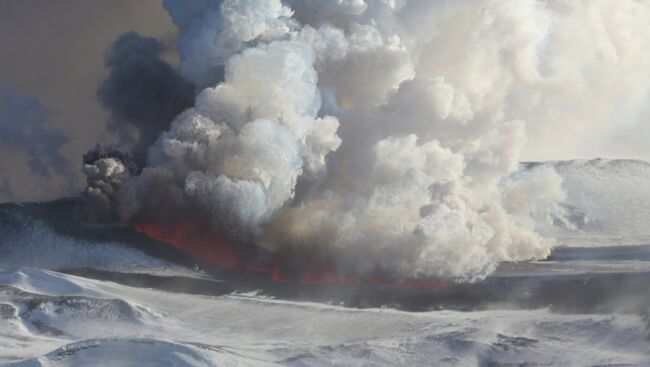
(194, 238)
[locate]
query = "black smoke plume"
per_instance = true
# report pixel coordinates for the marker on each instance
(142, 92)
(106, 170)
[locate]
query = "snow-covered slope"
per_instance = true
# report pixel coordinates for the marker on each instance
(95, 323)
(608, 201)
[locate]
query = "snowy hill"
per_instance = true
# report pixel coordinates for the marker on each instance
(96, 323)
(608, 201)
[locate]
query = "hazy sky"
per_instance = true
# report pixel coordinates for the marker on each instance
(53, 50)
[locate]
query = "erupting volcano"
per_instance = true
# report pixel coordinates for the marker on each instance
(326, 142)
(325, 183)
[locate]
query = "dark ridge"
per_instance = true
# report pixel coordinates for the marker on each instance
(605, 253)
(62, 217)
(595, 162)
(582, 294)
(177, 284)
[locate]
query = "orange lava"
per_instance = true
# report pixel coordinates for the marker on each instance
(194, 238)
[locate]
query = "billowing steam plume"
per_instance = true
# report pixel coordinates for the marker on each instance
(386, 134)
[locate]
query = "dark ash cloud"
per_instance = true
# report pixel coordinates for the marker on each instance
(106, 170)
(142, 92)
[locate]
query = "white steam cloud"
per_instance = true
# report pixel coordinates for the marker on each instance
(388, 133)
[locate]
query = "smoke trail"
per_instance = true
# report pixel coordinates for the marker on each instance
(23, 126)
(387, 134)
(142, 91)
(5, 187)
